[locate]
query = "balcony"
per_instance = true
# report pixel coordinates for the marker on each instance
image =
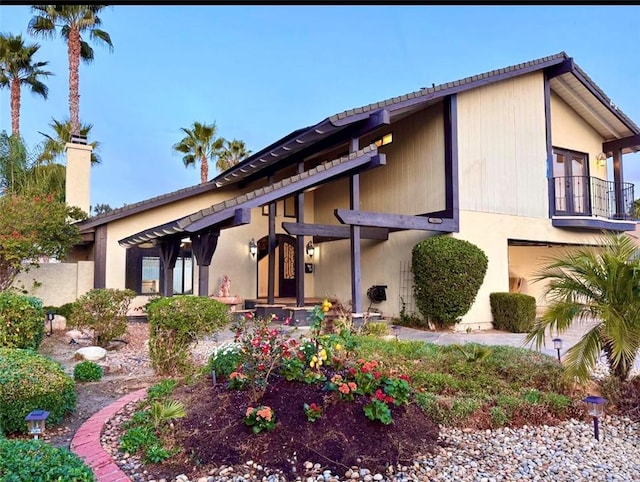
(591, 203)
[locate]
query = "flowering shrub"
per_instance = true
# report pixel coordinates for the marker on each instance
(262, 351)
(224, 359)
(260, 418)
(398, 388)
(313, 411)
(298, 366)
(237, 380)
(366, 376)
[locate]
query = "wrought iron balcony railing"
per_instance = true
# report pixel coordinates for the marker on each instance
(591, 196)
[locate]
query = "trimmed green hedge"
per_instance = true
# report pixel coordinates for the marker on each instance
(514, 312)
(174, 323)
(447, 273)
(29, 381)
(21, 321)
(36, 460)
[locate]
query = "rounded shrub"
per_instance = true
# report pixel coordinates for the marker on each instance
(37, 460)
(514, 312)
(177, 321)
(87, 371)
(21, 321)
(32, 382)
(104, 311)
(448, 273)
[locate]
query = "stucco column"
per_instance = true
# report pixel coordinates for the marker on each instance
(78, 175)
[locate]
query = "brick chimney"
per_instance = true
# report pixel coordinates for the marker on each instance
(78, 173)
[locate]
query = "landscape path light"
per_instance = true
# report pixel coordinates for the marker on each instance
(557, 344)
(595, 407)
(36, 421)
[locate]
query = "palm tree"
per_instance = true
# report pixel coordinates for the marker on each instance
(22, 173)
(73, 21)
(54, 145)
(232, 153)
(17, 68)
(199, 144)
(600, 283)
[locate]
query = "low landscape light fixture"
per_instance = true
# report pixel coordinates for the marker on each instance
(602, 159)
(50, 317)
(253, 248)
(557, 344)
(310, 249)
(36, 420)
(595, 407)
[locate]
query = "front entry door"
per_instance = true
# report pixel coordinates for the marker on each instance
(285, 274)
(571, 182)
(287, 264)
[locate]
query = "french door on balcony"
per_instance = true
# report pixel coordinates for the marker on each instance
(571, 183)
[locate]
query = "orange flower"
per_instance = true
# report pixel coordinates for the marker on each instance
(249, 412)
(265, 413)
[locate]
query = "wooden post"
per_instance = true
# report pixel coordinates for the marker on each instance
(300, 251)
(354, 204)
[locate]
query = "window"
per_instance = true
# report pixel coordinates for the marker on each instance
(384, 140)
(144, 271)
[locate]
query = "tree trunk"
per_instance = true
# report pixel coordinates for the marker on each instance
(73, 47)
(618, 370)
(204, 170)
(15, 106)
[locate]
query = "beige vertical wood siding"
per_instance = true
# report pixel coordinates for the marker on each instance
(502, 148)
(412, 182)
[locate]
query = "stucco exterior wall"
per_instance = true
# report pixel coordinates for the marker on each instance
(78, 175)
(232, 253)
(57, 283)
(570, 131)
(502, 148)
(491, 232)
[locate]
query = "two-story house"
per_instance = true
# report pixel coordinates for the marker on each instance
(513, 160)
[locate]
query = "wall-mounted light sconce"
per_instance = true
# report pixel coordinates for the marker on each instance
(310, 249)
(602, 159)
(253, 248)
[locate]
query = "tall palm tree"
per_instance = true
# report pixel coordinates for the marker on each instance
(18, 68)
(601, 284)
(231, 154)
(73, 21)
(199, 144)
(54, 145)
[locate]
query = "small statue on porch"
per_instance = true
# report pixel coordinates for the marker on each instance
(225, 287)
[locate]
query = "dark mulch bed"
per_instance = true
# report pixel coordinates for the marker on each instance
(213, 433)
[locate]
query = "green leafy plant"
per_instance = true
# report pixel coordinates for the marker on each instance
(346, 389)
(260, 418)
(473, 352)
(378, 407)
(104, 311)
(594, 283)
(313, 411)
(224, 359)
(32, 227)
(21, 321)
(37, 460)
(373, 328)
(174, 323)
(448, 273)
(161, 412)
(87, 371)
(30, 381)
(514, 312)
(161, 389)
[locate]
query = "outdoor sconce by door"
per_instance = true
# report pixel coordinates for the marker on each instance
(253, 248)
(310, 249)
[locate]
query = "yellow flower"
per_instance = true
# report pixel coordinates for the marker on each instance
(338, 346)
(326, 305)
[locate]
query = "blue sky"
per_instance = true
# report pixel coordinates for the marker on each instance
(261, 72)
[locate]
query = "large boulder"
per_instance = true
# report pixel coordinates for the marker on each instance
(91, 353)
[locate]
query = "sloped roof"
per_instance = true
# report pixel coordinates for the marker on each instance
(573, 85)
(222, 211)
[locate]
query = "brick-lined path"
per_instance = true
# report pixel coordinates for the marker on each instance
(86, 442)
